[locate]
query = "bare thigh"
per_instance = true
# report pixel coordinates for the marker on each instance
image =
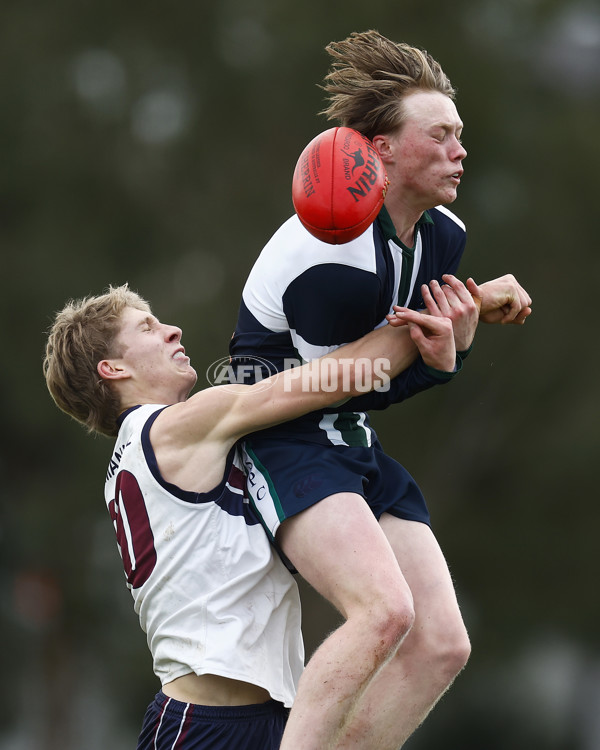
(425, 569)
(339, 547)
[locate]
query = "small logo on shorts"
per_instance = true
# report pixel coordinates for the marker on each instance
(307, 484)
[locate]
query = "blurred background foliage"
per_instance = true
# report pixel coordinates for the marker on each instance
(155, 144)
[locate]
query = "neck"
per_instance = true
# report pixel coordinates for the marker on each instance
(404, 217)
(137, 397)
(405, 226)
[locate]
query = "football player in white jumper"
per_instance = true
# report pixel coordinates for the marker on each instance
(220, 609)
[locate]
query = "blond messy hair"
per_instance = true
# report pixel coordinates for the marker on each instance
(369, 77)
(84, 332)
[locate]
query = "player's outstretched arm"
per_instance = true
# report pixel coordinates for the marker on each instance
(226, 413)
(503, 300)
(351, 370)
(201, 430)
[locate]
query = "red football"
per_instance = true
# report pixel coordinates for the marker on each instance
(339, 185)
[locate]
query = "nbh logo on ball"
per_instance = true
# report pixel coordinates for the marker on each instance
(246, 371)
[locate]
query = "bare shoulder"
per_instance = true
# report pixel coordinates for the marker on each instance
(190, 441)
(202, 416)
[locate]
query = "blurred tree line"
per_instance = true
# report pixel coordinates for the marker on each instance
(155, 144)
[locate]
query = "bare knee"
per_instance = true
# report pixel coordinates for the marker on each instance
(440, 649)
(398, 619)
(448, 651)
(387, 623)
(454, 652)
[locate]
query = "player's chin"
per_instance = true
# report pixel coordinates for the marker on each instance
(189, 374)
(448, 195)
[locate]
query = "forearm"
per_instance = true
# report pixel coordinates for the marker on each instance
(356, 368)
(390, 350)
(350, 371)
(385, 354)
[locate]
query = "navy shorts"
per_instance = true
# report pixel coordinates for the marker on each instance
(286, 477)
(173, 725)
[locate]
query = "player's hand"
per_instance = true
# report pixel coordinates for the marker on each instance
(451, 300)
(432, 335)
(454, 301)
(503, 300)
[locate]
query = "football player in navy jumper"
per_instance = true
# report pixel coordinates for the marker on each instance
(349, 519)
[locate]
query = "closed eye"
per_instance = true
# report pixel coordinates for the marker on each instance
(440, 134)
(148, 324)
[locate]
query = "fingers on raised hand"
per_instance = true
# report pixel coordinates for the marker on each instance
(458, 288)
(434, 299)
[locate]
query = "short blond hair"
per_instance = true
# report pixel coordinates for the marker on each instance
(83, 334)
(369, 77)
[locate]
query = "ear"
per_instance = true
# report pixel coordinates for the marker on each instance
(109, 369)
(383, 146)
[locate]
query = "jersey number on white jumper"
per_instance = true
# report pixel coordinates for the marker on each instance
(132, 527)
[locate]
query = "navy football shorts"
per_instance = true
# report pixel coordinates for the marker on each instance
(173, 725)
(285, 477)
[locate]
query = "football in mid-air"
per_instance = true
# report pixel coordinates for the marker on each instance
(339, 185)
